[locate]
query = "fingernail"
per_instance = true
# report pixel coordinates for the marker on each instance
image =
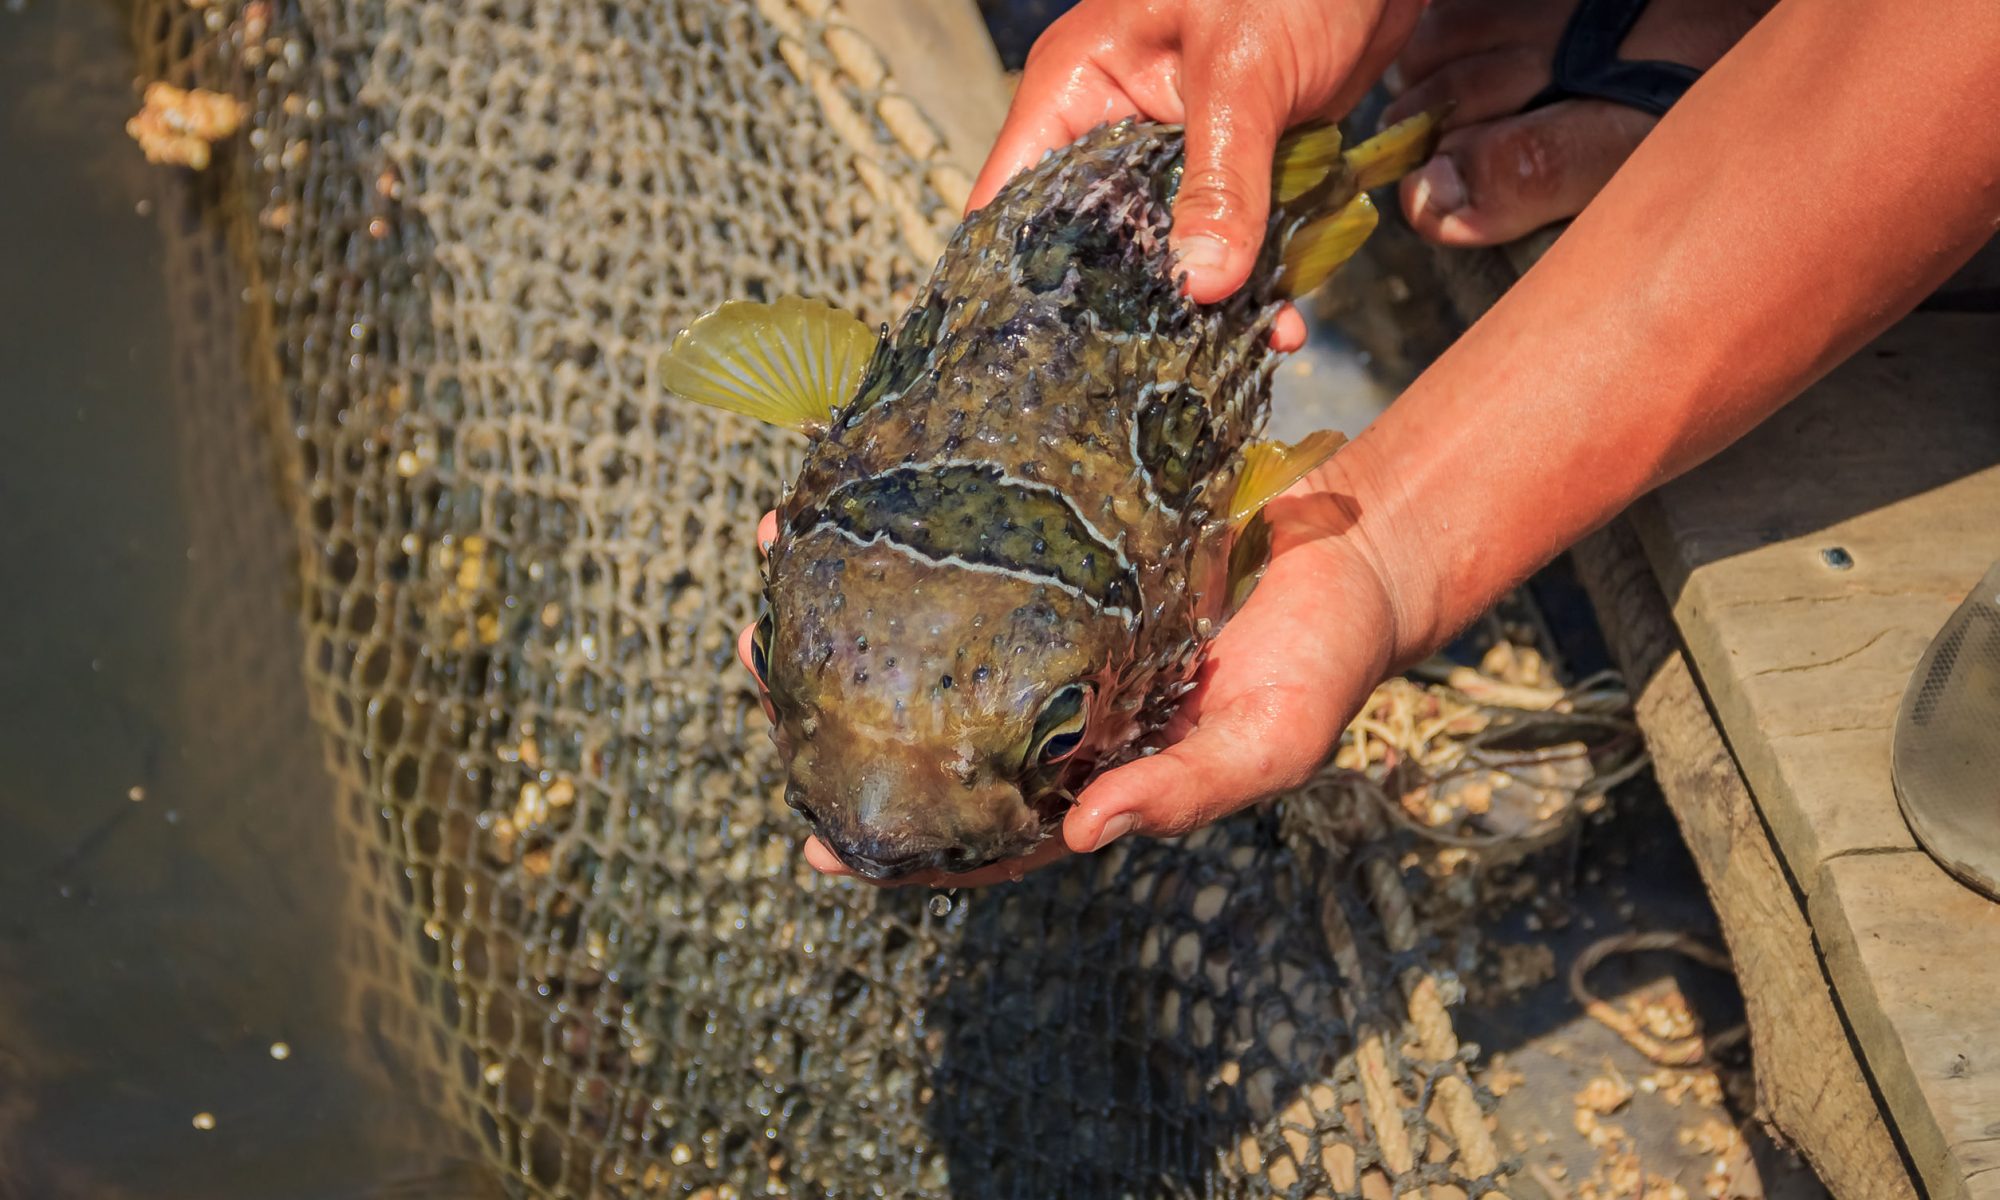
(1438, 189)
(1117, 827)
(1392, 79)
(1201, 253)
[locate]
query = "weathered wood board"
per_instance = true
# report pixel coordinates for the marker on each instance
(1915, 954)
(1808, 567)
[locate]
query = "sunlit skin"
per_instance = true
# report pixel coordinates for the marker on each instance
(1825, 175)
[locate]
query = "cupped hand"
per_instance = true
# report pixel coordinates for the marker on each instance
(1236, 73)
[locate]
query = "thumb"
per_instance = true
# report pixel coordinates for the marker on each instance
(1234, 118)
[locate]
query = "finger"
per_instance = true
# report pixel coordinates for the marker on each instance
(1236, 110)
(1013, 870)
(1065, 91)
(743, 642)
(1230, 761)
(825, 861)
(1483, 87)
(1033, 129)
(767, 533)
(1495, 182)
(1453, 30)
(1376, 61)
(1275, 693)
(1288, 332)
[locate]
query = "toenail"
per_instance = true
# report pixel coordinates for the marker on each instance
(1437, 187)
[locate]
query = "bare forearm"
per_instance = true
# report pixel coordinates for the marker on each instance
(1825, 176)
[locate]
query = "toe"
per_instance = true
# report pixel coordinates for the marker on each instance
(1482, 87)
(1494, 182)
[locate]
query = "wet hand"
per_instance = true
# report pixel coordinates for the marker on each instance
(1236, 73)
(1280, 682)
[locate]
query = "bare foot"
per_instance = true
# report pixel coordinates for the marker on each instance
(1505, 169)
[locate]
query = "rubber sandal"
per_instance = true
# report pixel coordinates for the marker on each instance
(1587, 63)
(1946, 756)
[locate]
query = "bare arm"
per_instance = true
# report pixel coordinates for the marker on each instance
(1841, 162)
(1828, 173)
(1831, 170)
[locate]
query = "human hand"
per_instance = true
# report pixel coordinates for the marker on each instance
(1236, 73)
(1328, 621)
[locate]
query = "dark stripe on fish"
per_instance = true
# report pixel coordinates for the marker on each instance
(978, 515)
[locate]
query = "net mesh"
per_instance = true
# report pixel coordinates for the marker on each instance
(450, 242)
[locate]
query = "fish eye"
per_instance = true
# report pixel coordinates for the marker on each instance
(760, 649)
(1059, 730)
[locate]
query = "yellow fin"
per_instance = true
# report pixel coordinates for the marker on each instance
(1396, 151)
(1271, 467)
(1305, 156)
(1319, 248)
(1249, 554)
(790, 362)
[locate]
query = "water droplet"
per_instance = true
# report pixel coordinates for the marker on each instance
(204, 1121)
(280, 1051)
(941, 904)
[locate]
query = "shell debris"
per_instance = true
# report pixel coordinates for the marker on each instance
(179, 127)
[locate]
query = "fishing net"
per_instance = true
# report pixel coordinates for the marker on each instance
(448, 243)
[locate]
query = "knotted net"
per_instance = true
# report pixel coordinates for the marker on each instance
(452, 241)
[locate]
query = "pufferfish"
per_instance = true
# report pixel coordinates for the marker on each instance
(1024, 514)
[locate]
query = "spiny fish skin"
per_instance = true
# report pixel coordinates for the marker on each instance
(1008, 546)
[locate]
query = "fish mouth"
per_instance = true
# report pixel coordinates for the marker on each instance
(883, 856)
(885, 867)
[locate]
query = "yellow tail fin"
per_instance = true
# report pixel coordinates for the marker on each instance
(1319, 248)
(1306, 155)
(1396, 151)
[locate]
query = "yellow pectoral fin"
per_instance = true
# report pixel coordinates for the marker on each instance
(1319, 248)
(1305, 156)
(1249, 554)
(1269, 468)
(1396, 151)
(789, 363)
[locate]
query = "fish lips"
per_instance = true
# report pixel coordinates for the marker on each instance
(875, 859)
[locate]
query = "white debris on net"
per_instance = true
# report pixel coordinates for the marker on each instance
(179, 127)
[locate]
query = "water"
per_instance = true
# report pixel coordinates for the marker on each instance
(171, 891)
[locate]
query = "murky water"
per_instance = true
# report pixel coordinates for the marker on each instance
(170, 888)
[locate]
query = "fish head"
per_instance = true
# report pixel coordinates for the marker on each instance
(931, 715)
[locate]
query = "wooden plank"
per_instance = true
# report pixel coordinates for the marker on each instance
(1918, 957)
(1810, 1082)
(1893, 460)
(1809, 567)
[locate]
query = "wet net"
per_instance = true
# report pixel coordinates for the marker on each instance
(449, 242)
